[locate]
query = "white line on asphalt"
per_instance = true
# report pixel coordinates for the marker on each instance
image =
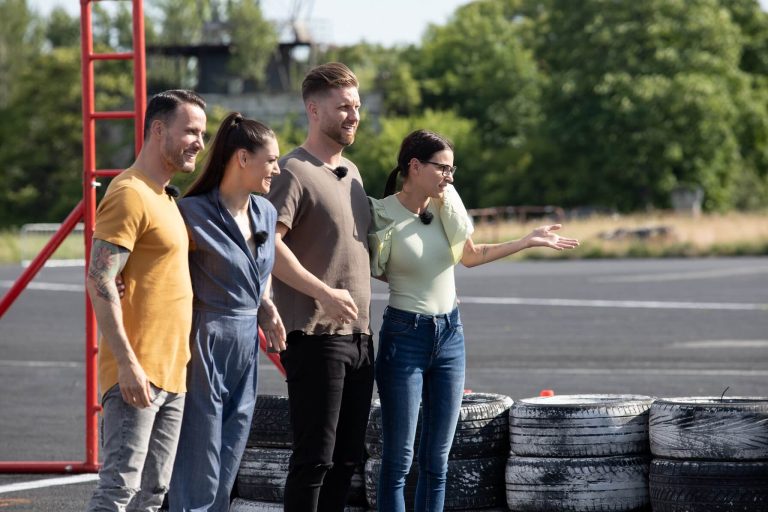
(48, 482)
(693, 372)
(516, 301)
(720, 344)
(626, 304)
(49, 287)
(74, 364)
(568, 371)
(40, 364)
(682, 276)
(57, 263)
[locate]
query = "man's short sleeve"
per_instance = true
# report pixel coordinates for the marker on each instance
(285, 194)
(120, 218)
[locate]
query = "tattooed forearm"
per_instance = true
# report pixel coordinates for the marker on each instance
(107, 260)
(484, 253)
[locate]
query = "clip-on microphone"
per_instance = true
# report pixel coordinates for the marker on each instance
(340, 171)
(260, 237)
(172, 191)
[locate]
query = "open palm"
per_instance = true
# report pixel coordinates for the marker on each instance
(545, 236)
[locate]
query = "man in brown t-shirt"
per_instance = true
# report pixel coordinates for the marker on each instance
(323, 293)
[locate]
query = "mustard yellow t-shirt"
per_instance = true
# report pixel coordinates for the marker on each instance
(157, 307)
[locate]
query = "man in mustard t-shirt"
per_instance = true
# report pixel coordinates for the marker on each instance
(144, 345)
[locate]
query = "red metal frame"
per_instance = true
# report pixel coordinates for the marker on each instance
(86, 211)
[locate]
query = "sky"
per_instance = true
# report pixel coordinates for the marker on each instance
(342, 22)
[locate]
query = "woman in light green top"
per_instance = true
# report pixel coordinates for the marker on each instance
(417, 237)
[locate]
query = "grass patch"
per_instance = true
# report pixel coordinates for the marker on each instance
(657, 235)
(731, 234)
(16, 247)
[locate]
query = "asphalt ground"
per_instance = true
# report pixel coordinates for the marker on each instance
(654, 327)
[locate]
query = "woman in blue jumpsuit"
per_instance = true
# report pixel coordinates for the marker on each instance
(232, 251)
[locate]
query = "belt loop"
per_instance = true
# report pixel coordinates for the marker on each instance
(448, 320)
(416, 320)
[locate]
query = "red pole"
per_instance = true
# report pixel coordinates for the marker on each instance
(139, 73)
(29, 273)
(92, 406)
(86, 210)
(274, 357)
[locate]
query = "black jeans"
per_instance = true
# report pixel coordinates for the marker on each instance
(330, 383)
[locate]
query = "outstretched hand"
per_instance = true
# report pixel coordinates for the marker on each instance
(545, 236)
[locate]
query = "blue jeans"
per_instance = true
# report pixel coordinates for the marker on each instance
(139, 447)
(421, 360)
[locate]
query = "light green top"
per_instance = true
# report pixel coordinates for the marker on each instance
(417, 258)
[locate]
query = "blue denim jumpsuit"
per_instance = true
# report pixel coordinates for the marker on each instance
(227, 281)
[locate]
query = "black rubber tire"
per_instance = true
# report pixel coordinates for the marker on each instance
(271, 425)
(539, 484)
(480, 432)
(707, 486)
(242, 505)
(579, 426)
(710, 428)
(471, 483)
(356, 496)
(263, 472)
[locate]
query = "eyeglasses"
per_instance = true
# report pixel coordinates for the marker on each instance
(446, 170)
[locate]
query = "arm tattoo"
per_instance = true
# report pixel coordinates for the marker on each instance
(107, 260)
(484, 253)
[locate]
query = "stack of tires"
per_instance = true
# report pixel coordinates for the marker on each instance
(579, 453)
(709, 454)
(476, 460)
(260, 485)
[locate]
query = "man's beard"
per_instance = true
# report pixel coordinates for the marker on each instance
(338, 135)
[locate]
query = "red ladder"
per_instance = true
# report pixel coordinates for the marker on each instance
(86, 211)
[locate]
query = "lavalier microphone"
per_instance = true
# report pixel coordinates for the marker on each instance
(172, 191)
(340, 171)
(260, 237)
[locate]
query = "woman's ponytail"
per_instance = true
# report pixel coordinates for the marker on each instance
(391, 186)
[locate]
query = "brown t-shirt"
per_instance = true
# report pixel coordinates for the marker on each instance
(328, 221)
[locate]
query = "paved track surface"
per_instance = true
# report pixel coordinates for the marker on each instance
(655, 327)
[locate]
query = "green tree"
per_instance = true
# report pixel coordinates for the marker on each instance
(386, 70)
(375, 150)
(642, 98)
(254, 40)
(20, 39)
(41, 153)
(239, 23)
(41, 125)
(753, 22)
(61, 29)
(480, 65)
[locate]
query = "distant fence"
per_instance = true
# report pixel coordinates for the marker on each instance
(517, 213)
(32, 237)
(494, 216)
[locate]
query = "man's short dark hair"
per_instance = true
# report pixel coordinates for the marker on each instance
(325, 77)
(163, 105)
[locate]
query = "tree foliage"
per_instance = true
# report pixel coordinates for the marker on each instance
(609, 103)
(642, 98)
(376, 160)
